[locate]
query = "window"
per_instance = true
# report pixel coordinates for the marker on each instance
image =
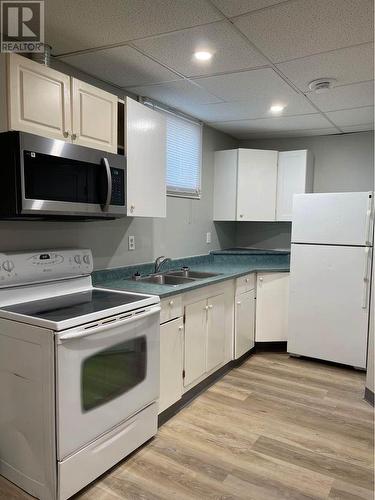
(184, 154)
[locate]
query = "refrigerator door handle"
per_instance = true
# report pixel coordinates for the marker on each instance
(368, 221)
(366, 279)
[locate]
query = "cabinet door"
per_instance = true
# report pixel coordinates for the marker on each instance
(294, 176)
(256, 185)
(94, 114)
(272, 307)
(244, 327)
(195, 340)
(171, 363)
(215, 331)
(225, 185)
(39, 99)
(145, 148)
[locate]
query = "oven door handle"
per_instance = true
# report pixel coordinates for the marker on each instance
(107, 326)
(105, 205)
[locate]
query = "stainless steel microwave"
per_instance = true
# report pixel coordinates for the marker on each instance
(46, 178)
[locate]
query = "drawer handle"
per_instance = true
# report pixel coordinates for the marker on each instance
(171, 302)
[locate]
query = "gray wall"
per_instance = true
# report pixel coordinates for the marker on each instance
(342, 163)
(182, 233)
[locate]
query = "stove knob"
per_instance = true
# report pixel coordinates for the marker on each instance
(77, 259)
(8, 266)
(86, 259)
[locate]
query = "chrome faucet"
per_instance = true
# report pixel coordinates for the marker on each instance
(159, 261)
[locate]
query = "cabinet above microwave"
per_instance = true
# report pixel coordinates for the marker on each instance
(40, 100)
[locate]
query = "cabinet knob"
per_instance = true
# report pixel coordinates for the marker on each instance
(238, 303)
(74, 137)
(260, 279)
(171, 302)
(180, 328)
(210, 306)
(246, 280)
(241, 215)
(206, 308)
(132, 207)
(66, 134)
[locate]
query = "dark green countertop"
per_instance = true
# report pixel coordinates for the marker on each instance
(228, 266)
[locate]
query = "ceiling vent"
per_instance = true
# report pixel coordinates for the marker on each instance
(321, 85)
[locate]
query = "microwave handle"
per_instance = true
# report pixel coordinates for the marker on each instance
(105, 205)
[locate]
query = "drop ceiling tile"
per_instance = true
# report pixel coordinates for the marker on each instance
(304, 27)
(291, 133)
(349, 96)
(280, 124)
(230, 51)
(258, 88)
(349, 65)
(358, 128)
(350, 117)
(182, 94)
(122, 66)
(233, 8)
(73, 25)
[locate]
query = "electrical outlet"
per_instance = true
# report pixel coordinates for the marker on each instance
(131, 243)
(208, 237)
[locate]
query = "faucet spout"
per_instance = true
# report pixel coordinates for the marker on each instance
(159, 261)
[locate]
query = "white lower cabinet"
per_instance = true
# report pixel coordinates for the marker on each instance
(244, 323)
(215, 332)
(204, 337)
(272, 307)
(171, 362)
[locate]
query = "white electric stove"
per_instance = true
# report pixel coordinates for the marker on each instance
(80, 372)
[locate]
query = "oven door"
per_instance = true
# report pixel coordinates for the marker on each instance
(59, 178)
(105, 372)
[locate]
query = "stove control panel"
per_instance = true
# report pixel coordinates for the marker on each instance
(23, 268)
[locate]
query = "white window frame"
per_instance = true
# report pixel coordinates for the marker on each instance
(175, 191)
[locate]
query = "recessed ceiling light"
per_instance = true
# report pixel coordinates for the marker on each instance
(202, 55)
(277, 108)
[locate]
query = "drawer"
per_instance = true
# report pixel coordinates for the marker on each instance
(245, 283)
(171, 308)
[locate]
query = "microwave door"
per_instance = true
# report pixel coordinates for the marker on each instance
(70, 186)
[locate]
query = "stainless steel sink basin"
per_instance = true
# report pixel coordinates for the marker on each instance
(192, 274)
(166, 279)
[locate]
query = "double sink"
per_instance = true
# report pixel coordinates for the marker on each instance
(175, 278)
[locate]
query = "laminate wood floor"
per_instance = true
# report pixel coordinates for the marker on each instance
(274, 428)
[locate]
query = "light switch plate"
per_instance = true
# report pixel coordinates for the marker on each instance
(131, 242)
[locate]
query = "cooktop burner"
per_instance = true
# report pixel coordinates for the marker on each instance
(73, 305)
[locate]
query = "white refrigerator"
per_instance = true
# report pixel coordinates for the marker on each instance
(330, 272)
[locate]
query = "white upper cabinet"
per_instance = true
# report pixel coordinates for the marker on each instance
(256, 185)
(245, 185)
(225, 185)
(295, 176)
(43, 101)
(39, 99)
(145, 149)
(94, 117)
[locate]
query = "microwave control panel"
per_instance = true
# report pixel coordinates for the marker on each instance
(118, 187)
(22, 268)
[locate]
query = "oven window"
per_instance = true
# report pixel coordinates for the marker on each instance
(112, 372)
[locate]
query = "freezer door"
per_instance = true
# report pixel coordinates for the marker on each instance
(332, 218)
(329, 303)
